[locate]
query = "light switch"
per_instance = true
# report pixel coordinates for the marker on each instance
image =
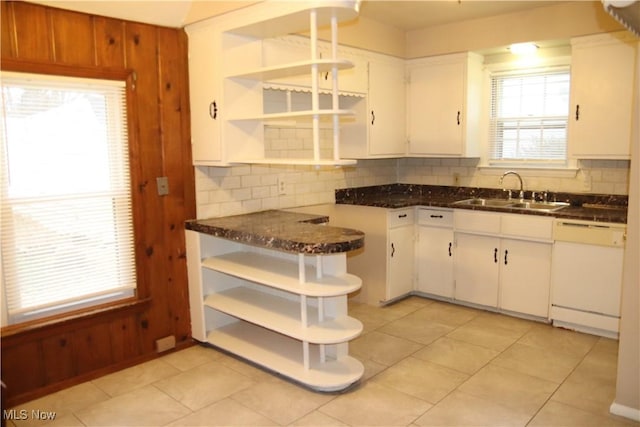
(163, 185)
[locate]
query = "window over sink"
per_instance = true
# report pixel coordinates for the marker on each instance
(528, 117)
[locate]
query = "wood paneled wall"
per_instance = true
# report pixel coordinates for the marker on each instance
(43, 358)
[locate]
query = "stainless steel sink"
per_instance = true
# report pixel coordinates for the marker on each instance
(545, 206)
(485, 202)
(539, 206)
(514, 204)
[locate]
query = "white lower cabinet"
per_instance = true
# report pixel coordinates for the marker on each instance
(490, 259)
(400, 253)
(385, 263)
(434, 252)
(525, 277)
(286, 312)
(477, 269)
(503, 261)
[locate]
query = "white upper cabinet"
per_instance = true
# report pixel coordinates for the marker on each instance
(444, 100)
(206, 114)
(387, 107)
(379, 129)
(600, 114)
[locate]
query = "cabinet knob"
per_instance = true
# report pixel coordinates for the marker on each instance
(495, 255)
(402, 216)
(393, 250)
(506, 253)
(373, 117)
(450, 248)
(436, 216)
(577, 112)
(458, 118)
(213, 110)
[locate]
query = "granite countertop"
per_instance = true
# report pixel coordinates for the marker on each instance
(587, 207)
(281, 230)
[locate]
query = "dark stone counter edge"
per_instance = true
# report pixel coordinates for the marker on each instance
(586, 207)
(354, 241)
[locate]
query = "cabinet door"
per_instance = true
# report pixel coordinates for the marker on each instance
(205, 81)
(400, 253)
(386, 116)
(435, 108)
(476, 269)
(601, 99)
(352, 79)
(525, 277)
(435, 261)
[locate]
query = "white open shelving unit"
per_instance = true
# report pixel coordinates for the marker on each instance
(284, 311)
(243, 79)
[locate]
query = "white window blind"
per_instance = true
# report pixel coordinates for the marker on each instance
(529, 114)
(65, 207)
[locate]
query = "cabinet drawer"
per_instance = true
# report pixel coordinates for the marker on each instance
(435, 217)
(475, 221)
(400, 217)
(539, 228)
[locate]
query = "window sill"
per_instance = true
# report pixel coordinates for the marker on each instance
(61, 320)
(535, 171)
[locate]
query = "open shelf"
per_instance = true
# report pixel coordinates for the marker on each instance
(285, 356)
(297, 115)
(295, 18)
(281, 274)
(294, 69)
(283, 316)
(299, 161)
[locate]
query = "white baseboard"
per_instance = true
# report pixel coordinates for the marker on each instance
(625, 411)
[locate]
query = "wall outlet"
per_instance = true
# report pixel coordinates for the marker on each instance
(282, 186)
(163, 185)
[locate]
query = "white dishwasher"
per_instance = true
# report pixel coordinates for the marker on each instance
(586, 276)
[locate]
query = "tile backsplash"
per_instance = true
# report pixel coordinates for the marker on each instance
(593, 176)
(250, 188)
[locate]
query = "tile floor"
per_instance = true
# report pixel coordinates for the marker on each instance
(427, 363)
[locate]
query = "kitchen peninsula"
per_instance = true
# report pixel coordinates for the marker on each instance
(272, 287)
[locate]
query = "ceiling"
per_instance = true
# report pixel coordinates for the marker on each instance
(416, 14)
(405, 15)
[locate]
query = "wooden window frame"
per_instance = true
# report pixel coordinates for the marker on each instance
(142, 299)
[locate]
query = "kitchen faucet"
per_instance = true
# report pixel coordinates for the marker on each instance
(521, 194)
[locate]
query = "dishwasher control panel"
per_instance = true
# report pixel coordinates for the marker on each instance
(590, 232)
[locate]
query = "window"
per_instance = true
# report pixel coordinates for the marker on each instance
(528, 117)
(65, 207)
